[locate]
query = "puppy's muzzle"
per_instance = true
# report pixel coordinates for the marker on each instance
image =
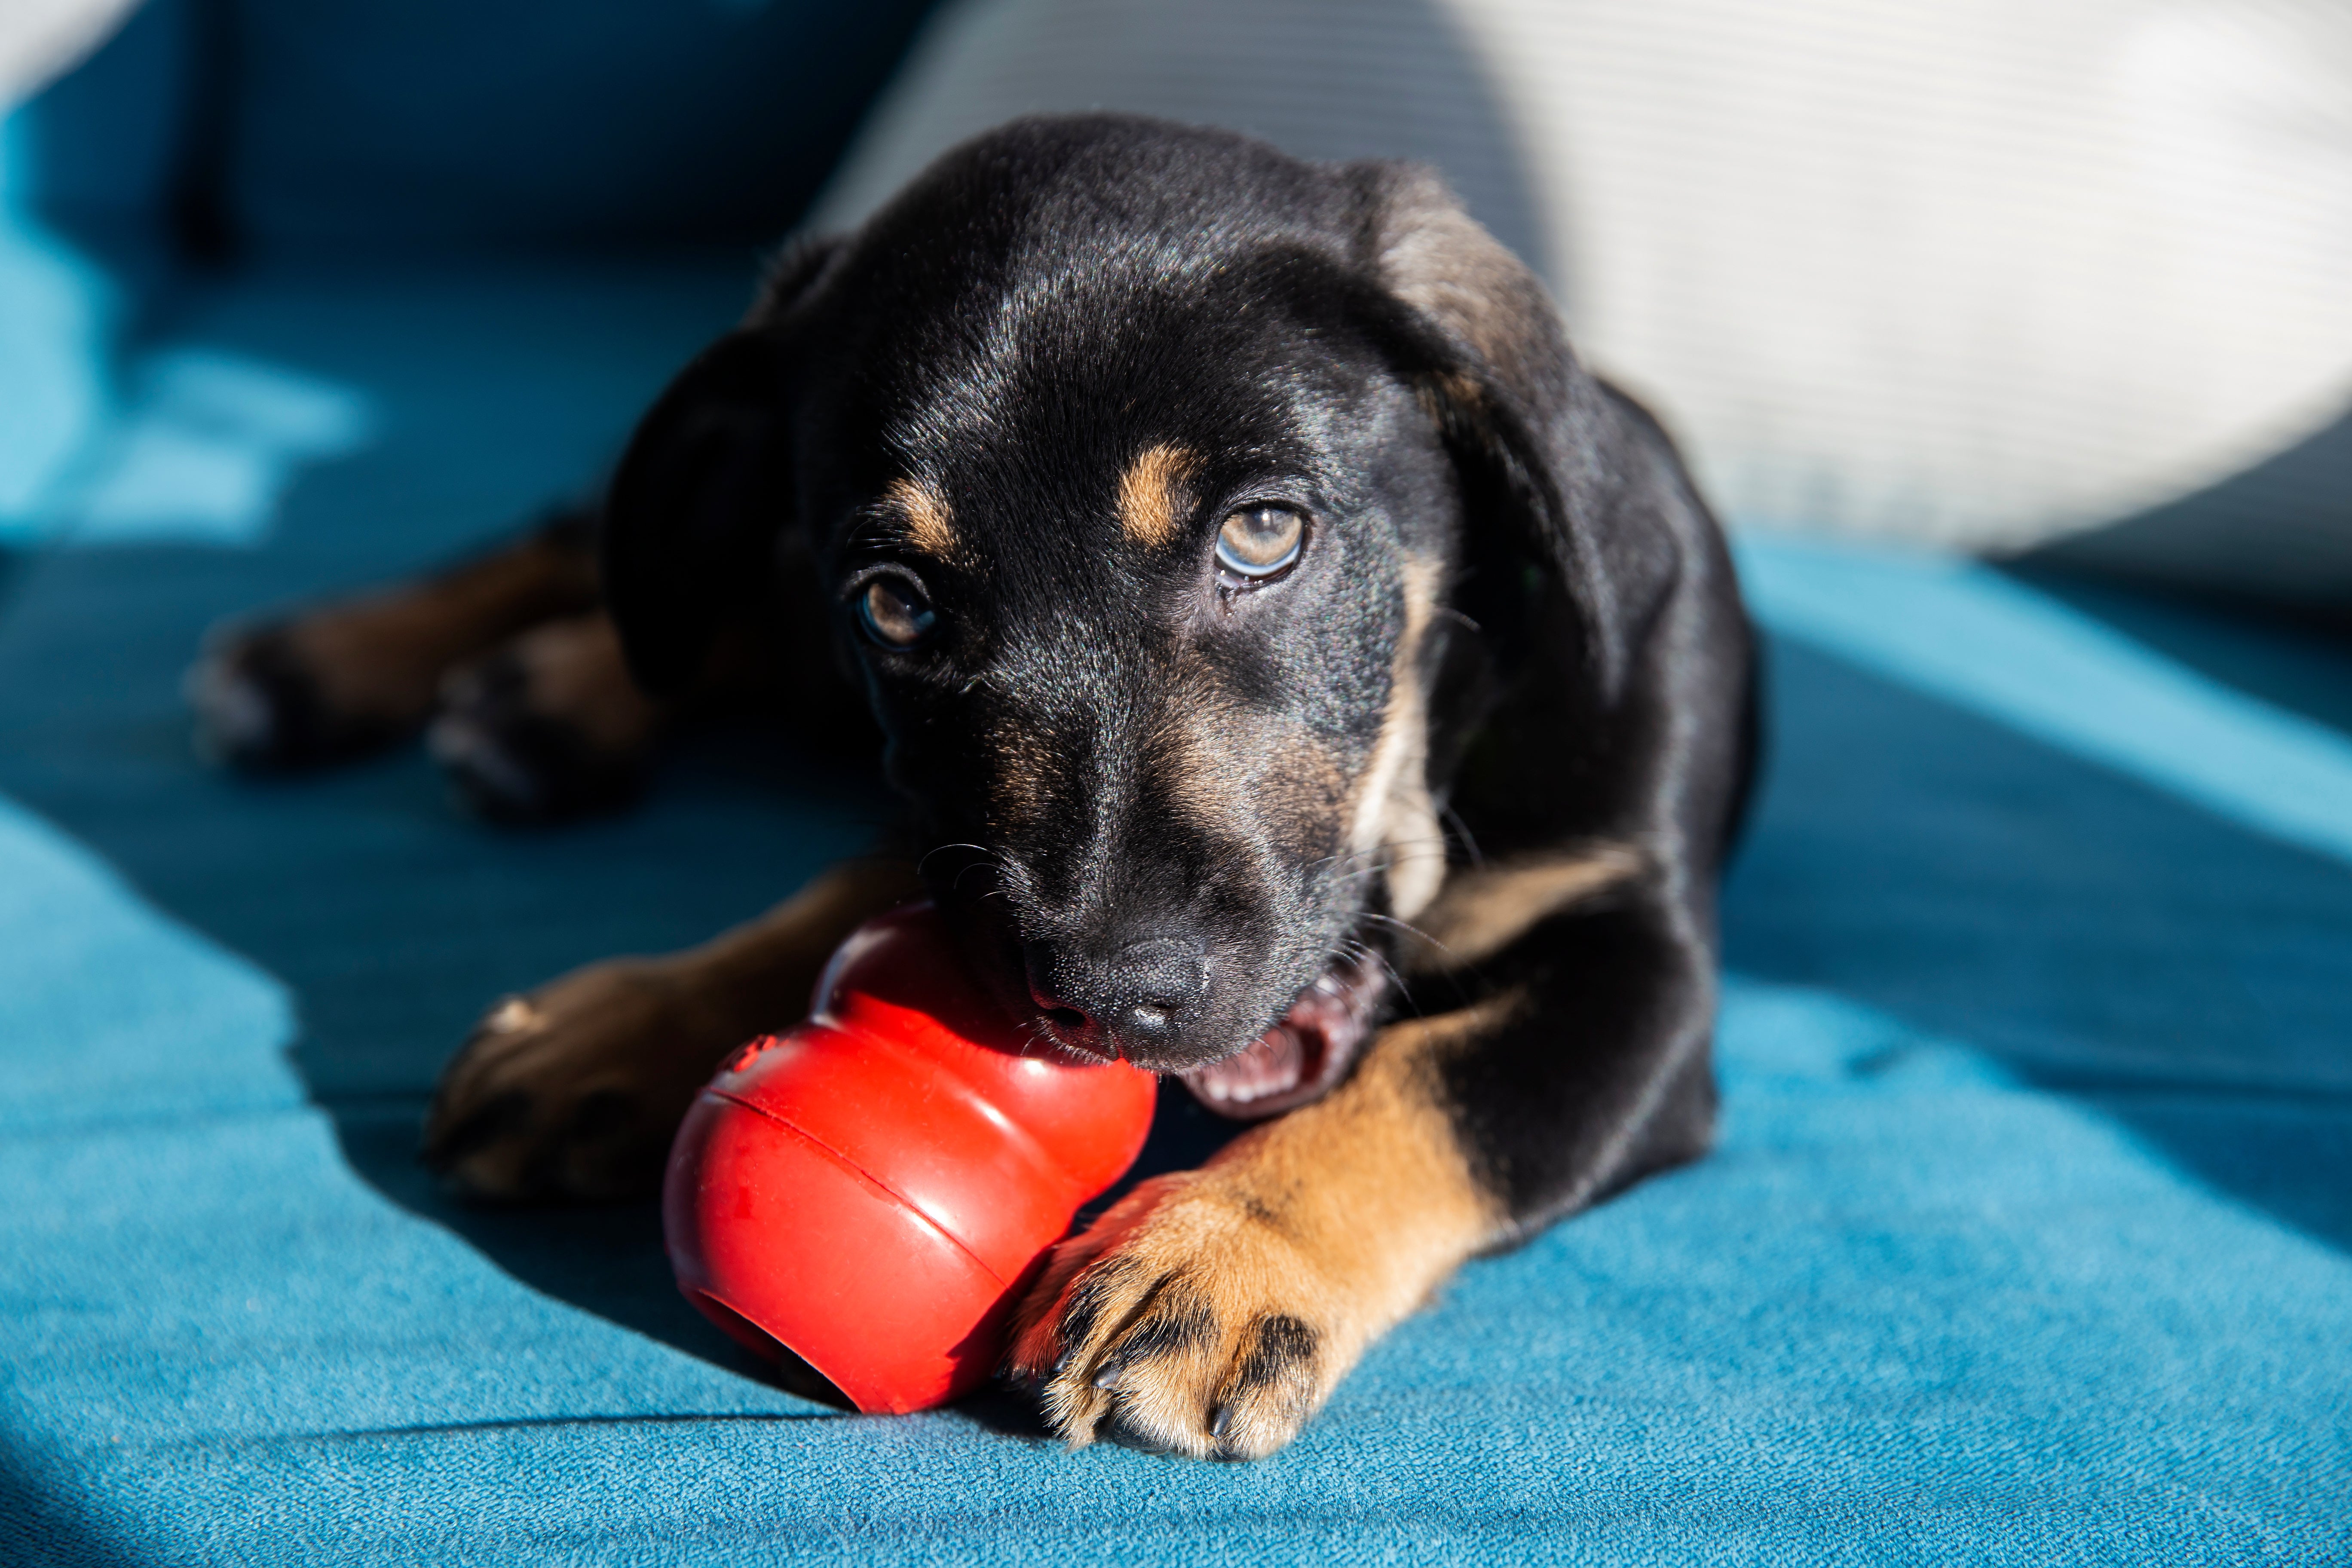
(1139, 998)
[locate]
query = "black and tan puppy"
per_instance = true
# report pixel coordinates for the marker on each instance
(1301, 676)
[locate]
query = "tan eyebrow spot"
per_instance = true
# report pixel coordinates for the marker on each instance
(1150, 494)
(929, 526)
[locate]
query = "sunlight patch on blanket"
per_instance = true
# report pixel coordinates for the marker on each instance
(1961, 631)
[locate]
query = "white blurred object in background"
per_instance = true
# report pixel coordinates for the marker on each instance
(1977, 272)
(40, 38)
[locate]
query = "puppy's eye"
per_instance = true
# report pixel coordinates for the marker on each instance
(895, 612)
(1260, 540)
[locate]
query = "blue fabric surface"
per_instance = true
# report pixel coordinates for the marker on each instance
(58, 312)
(428, 123)
(2027, 1241)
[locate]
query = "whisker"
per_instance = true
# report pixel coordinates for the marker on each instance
(1359, 949)
(957, 886)
(981, 850)
(1469, 840)
(1036, 1032)
(1419, 843)
(1397, 980)
(1411, 929)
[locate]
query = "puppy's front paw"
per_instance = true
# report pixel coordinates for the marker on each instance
(548, 727)
(1185, 1319)
(575, 1089)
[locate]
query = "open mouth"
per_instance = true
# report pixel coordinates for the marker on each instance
(1305, 1054)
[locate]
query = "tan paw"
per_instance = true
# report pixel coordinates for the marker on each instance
(575, 1089)
(547, 726)
(1186, 1321)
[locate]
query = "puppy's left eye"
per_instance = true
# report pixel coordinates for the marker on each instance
(1260, 540)
(895, 612)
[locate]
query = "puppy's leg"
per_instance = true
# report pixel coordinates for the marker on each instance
(1211, 1312)
(348, 676)
(574, 1090)
(547, 726)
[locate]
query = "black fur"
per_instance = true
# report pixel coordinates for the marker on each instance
(1110, 748)
(1176, 1325)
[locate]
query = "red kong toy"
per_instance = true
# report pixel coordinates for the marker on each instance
(872, 1190)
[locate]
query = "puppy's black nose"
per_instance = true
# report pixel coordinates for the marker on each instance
(1141, 995)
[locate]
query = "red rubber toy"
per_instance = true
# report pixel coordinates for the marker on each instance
(872, 1190)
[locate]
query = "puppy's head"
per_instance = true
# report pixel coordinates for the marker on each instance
(1132, 462)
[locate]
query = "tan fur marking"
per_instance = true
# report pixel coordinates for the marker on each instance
(1443, 263)
(1152, 495)
(1370, 1179)
(1343, 1215)
(1449, 389)
(1022, 778)
(1394, 815)
(646, 1033)
(1483, 911)
(1221, 763)
(930, 526)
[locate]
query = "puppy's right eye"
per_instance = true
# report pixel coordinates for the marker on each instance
(1260, 542)
(895, 612)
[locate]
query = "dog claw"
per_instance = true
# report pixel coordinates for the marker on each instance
(510, 1016)
(1222, 1422)
(1109, 1375)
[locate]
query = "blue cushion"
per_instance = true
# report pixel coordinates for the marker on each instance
(436, 122)
(415, 122)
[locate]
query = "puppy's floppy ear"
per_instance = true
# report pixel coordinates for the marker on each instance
(1571, 467)
(691, 518)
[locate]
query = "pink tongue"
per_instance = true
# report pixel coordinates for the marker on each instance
(1273, 1067)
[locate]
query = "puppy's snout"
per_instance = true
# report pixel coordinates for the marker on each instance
(1157, 983)
(1137, 998)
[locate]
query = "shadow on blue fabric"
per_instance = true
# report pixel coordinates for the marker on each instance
(2290, 658)
(2180, 975)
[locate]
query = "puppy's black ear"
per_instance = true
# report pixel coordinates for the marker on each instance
(1561, 473)
(692, 516)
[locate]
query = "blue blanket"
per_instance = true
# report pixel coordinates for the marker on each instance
(2026, 1241)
